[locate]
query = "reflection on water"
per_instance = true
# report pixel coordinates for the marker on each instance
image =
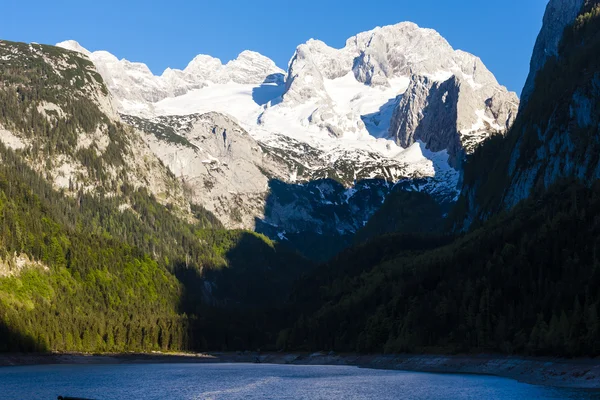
(252, 381)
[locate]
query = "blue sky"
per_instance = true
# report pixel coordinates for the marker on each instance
(170, 33)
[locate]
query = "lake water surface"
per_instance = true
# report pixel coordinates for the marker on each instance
(257, 381)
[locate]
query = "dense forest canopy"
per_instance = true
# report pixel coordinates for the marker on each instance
(526, 282)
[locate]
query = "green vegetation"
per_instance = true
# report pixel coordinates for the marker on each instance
(98, 294)
(524, 283)
(161, 131)
(547, 115)
(249, 269)
(403, 212)
(127, 280)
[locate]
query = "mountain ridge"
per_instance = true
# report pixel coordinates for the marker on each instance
(364, 56)
(248, 68)
(366, 111)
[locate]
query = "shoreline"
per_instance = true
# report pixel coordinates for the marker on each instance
(543, 371)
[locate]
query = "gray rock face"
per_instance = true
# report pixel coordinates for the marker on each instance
(454, 115)
(428, 112)
(555, 139)
(220, 165)
(453, 101)
(559, 14)
(304, 78)
(242, 180)
(560, 153)
(370, 69)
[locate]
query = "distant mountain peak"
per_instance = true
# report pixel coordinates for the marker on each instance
(133, 83)
(74, 46)
(386, 58)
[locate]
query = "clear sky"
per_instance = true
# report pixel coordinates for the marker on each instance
(170, 33)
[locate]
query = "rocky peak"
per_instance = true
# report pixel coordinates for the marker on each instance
(398, 50)
(250, 67)
(304, 78)
(74, 46)
(133, 83)
(559, 14)
(452, 114)
(202, 67)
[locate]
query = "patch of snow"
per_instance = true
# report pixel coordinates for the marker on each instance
(281, 236)
(440, 76)
(10, 140)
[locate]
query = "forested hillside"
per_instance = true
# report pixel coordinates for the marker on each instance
(555, 136)
(526, 282)
(57, 112)
(78, 274)
(404, 212)
(68, 283)
(100, 263)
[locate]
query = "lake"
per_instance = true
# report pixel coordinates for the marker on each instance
(258, 381)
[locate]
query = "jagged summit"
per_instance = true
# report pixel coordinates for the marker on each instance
(393, 59)
(134, 85)
(384, 53)
(249, 67)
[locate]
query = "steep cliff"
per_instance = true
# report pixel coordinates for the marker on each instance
(559, 14)
(390, 58)
(453, 115)
(555, 136)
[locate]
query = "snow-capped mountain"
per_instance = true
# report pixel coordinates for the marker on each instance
(396, 104)
(135, 87)
(394, 60)
(353, 94)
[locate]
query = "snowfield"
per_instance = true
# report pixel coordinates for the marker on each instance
(396, 103)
